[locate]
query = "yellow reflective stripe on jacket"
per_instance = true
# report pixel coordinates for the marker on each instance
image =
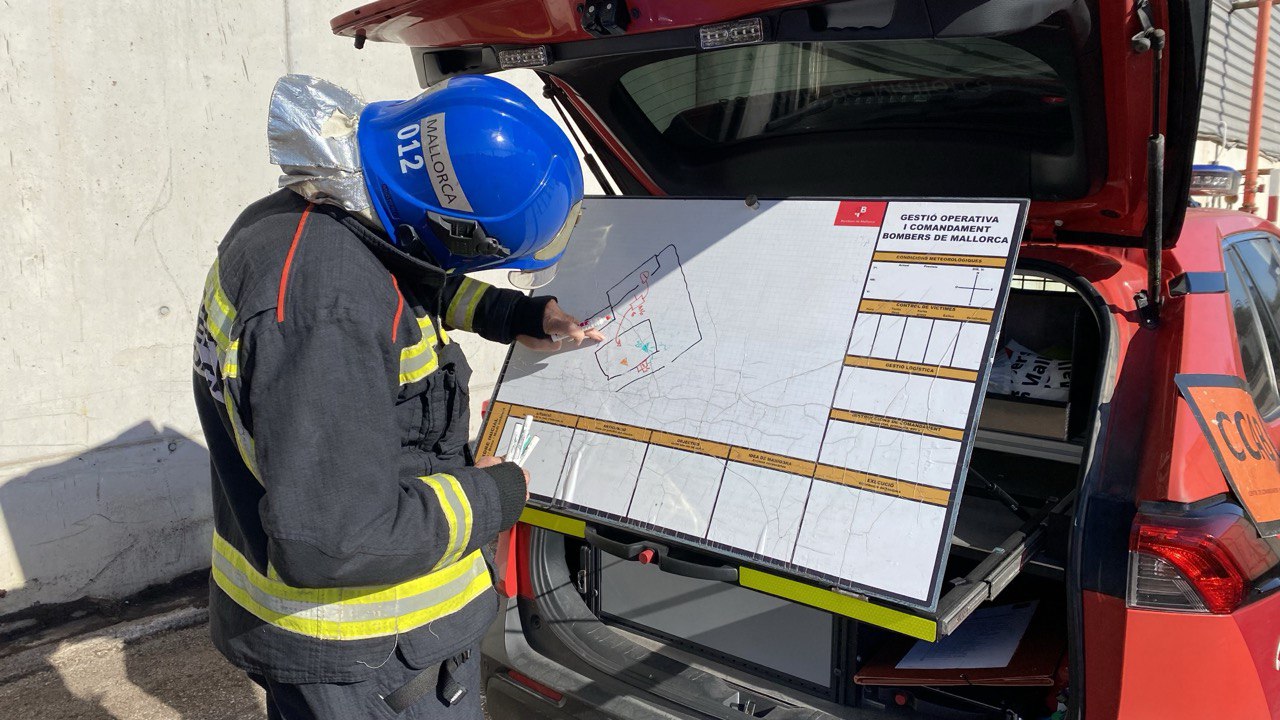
(244, 441)
(419, 359)
(428, 328)
(457, 512)
(349, 613)
(220, 316)
(462, 309)
(231, 360)
(219, 312)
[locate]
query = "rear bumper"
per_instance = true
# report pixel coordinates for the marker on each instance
(1192, 666)
(1151, 664)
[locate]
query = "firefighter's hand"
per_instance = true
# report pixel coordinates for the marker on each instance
(557, 322)
(490, 461)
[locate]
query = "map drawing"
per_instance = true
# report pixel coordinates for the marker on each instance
(652, 323)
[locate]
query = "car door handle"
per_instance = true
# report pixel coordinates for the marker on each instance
(660, 555)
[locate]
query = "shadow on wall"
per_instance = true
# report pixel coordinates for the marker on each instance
(79, 535)
(132, 512)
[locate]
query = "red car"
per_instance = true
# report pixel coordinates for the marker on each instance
(1109, 506)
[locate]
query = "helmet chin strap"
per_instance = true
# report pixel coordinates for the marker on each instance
(465, 238)
(411, 241)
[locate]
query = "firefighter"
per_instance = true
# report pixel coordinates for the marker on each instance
(350, 576)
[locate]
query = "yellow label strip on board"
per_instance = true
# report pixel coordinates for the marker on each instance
(900, 424)
(884, 485)
(911, 368)
(495, 420)
(940, 259)
(690, 444)
(545, 416)
(502, 413)
(926, 310)
(618, 430)
(772, 461)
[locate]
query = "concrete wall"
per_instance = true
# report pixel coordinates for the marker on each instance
(134, 132)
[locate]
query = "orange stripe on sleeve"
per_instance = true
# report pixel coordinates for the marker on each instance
(288, 262)
(395, 322)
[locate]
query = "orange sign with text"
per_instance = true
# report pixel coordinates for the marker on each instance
(1241, 441)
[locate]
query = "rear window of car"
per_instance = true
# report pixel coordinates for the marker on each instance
(1010, 116)
(721, 97)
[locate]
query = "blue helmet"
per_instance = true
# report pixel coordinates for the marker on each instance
(475, 171)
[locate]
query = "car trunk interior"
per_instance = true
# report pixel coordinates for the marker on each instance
(727, 651)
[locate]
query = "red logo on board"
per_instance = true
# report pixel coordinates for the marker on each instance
(861, 213)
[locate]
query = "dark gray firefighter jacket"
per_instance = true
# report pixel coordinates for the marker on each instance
(348, 520)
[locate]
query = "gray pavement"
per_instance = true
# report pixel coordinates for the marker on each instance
(173, 675)
(160, 667)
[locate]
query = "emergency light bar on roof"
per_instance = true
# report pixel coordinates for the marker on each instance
(1214, 180)
(528, 57)
(730, 34)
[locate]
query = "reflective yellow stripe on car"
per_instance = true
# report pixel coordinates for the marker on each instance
(349, 613)
(419, 359)
(457, 511)
(462, 309)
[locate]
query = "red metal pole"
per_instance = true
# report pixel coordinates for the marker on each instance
(1255, 109)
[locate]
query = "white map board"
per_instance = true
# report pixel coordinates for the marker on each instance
(795, 385)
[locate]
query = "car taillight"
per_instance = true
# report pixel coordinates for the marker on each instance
(524, 585)
(1194, 564)
(512, 563)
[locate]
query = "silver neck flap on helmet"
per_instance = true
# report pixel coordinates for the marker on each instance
(311, 134)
